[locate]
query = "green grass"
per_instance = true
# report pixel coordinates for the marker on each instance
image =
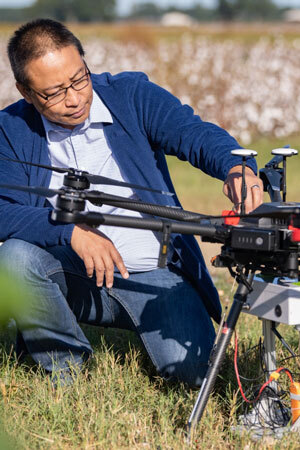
(118, 402)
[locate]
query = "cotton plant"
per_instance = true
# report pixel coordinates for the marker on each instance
(250, 89)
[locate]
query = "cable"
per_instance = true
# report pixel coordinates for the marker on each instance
(245, 354)
(269, 409)
(274, 376)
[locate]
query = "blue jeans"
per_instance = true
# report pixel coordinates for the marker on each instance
(161, 306)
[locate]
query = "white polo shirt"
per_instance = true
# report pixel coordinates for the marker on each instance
(86, 148)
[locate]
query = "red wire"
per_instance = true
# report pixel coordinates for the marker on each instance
(280, 369)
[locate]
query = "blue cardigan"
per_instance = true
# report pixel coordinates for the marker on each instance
(148, 122)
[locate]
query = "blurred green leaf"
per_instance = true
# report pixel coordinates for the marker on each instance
(14, 297)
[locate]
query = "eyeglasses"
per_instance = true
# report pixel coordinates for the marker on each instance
(60, 95)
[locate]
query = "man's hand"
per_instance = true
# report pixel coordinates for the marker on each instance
(98, 254)
(233, 184)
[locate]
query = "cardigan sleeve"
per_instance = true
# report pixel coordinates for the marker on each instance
(23, 215)
(175, 128)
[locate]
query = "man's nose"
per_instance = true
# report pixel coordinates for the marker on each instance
(72, 97)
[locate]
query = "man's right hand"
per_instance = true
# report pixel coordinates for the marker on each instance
(98, 254)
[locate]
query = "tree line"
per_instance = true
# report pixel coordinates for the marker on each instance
(225, 10)
(105, 11)
(63, 10)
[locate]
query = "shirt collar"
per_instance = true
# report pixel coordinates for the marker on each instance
(99, 113)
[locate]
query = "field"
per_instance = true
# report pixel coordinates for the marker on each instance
(247, 80)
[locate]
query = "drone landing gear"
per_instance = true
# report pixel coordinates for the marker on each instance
(219, 350)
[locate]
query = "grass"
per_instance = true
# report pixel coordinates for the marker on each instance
(118, 402)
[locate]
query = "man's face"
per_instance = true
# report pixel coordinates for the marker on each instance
(56, 70)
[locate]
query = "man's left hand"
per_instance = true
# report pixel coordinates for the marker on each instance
(233, 185)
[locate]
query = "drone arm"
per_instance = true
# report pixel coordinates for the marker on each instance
(100, 198)
(95, 219)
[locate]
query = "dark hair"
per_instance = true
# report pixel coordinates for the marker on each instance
(33, 40)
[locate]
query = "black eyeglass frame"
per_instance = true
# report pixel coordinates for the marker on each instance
(65, 90)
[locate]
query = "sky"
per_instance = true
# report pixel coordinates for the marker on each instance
(124, 6)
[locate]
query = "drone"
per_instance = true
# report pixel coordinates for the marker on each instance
(266, 242)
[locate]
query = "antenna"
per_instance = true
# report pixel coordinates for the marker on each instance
(244, 153)
(284, 152)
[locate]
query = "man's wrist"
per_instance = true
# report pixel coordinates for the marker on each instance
(238, 168)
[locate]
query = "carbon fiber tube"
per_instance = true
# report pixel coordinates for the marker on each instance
(96, 219)
(218, 354)
(100, 198)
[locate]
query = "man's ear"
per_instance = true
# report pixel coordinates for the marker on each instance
(24, 92)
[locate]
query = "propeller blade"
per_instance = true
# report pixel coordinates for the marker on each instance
(44, 192)
(94, 179)
(98, 179)
(43, 166)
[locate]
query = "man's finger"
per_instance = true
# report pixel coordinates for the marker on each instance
(254, 195)
(226, 190)
(109, 270)
(234, 190)
(99, 271)
(257, 195)
(89, 265)
(120, 264)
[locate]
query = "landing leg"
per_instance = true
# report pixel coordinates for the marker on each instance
(218, 352)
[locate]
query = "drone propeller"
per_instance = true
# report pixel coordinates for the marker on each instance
(266, 210)
(43, 192)
(94, 179)
(100, 198)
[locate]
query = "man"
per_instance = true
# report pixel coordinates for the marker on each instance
(118, 126)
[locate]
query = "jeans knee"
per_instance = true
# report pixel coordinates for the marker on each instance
(23, 258)
(191, 374)
(187, 363)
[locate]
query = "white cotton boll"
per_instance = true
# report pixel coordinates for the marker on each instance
(185, 99)
(210, 100)
(245, 137)
(279, 132)
(251, 112)
(193, 79)
(296, 43)
(286, 87)
(297, 111)
(242, 124)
